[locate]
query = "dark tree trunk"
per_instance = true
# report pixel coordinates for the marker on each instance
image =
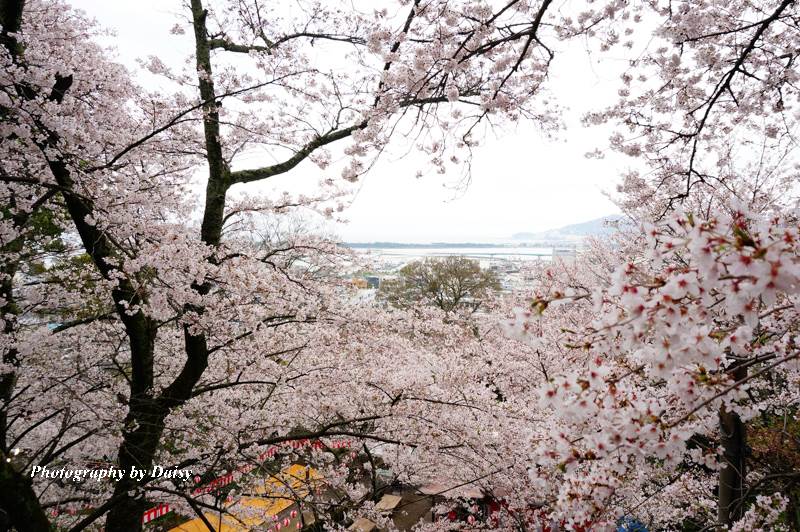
(733, 439)
(9, 356)
(139, 447)
(20, 508)
(19, 505)
(218, 173)
(144, 426)
(11, 20)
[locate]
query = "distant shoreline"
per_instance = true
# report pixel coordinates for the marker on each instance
(450, 245)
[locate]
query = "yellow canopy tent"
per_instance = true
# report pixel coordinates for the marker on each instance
(273, 496)
(226, 523)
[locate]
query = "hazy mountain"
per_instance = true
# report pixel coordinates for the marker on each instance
(573, 232)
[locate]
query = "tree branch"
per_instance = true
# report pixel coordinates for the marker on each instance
(248, 176)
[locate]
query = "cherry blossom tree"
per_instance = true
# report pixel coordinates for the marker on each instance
(687, 330)
(449, 283)
(144, 325)
(158, 325)
(681, 346)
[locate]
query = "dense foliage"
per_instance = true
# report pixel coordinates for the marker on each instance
(448, 283)
(144, 324)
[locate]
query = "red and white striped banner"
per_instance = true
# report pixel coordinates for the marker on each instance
(154, 512)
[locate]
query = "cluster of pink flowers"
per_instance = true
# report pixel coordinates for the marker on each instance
(132, 333)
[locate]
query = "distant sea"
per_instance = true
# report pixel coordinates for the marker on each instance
(408, 252)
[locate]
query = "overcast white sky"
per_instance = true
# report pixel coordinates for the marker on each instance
(520, 181)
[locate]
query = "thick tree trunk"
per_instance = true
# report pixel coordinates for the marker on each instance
(218, 173)
(731, 478)
(144, 426)
(139, 447)
(20, 507)
(733, 439)
(7, 379)
(11, 21)
(137, 451)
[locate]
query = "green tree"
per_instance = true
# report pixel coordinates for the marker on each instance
(447, 283)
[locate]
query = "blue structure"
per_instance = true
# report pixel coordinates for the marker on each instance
(630, 524)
